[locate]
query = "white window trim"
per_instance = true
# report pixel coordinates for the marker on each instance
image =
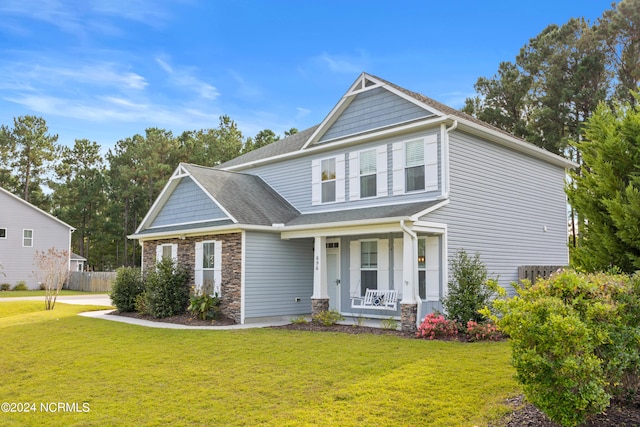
(23, 238)
(217, 265)
(160, 251)
(381, 173)
(355, 267)
(316, 180)
(431, 162)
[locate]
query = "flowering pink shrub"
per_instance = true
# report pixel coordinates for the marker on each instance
(482, 331)
(436, 326)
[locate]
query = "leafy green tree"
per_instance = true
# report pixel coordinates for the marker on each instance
(79, 196)
(606, 190)
(32, 152)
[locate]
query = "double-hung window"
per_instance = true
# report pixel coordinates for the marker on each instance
(414, 166)
(368, 265)
(328, 179)
(27, 238)
(368, 177)
(208, 267)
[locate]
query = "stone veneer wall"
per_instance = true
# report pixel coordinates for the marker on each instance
(231, 266)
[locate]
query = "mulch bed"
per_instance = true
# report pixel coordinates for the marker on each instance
(348, 329)
(619, 414)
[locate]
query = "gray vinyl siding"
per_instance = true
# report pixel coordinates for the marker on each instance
(187, 203)
(295, 184)
(276, 273)
(17, 261)
(371, 110)
(500, 202)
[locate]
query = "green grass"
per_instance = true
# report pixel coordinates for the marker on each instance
(132, 375)
(38, 293)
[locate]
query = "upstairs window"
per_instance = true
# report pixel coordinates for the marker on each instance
(27, 238)
(414, 166)
(328, 179)
(368, 177)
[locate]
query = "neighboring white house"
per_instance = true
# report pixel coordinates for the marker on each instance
(78, 263)
(25, 229)
(377, 197)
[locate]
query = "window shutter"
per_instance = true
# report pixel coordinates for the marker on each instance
(158, 253)
(398, 168)
(431, 163)
(198, 266)
(316, 190)
(398, 246)
(383, 264)
(432, 250)
(354, 268)
(217, 265)
(354, 176)
(174, 252)
(381, 167)
(340, 178)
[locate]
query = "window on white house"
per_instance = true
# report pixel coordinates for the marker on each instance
(27, 238)
(368, 266)
(368, 177)
(414, 166)
(328, 179)
(422, 268)
(3, 233)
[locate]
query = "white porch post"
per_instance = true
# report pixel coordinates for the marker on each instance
(320, 268)
(409, 269)
(320, 297)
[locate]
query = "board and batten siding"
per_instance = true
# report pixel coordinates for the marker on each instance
(295, 185)
(17, 260)
(373, 109)
(509, 207)
(277, 272)
(187, 203)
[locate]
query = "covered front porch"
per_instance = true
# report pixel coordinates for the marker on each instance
(379, 271)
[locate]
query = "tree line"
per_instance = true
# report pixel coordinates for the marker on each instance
(573, 90)
(106, 197)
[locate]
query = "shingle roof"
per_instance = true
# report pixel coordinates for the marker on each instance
(281, 146)
(185, 227)
(247, 198)
(378, 212)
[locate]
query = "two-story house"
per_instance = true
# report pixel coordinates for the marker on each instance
(378, 196)
(25, 230)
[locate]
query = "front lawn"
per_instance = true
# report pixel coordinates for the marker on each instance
(109, 373)
(39, 293)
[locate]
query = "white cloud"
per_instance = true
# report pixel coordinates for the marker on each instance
(344, 64)
(184, 77)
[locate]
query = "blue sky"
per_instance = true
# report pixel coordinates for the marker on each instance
(108, 69)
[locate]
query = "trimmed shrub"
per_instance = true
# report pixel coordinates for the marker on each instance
(487, 331)
(141, 303)
(5, 287)
(435, 325)
(21, 286)
(167, 289)
(126, 288)
(469, 290)
(328, 317)
(575, 341)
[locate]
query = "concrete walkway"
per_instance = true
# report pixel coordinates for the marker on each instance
(105, 300)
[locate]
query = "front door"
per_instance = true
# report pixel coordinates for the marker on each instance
(333, 279)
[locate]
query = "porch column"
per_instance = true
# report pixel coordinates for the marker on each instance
(320, 297)
(409, 303)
